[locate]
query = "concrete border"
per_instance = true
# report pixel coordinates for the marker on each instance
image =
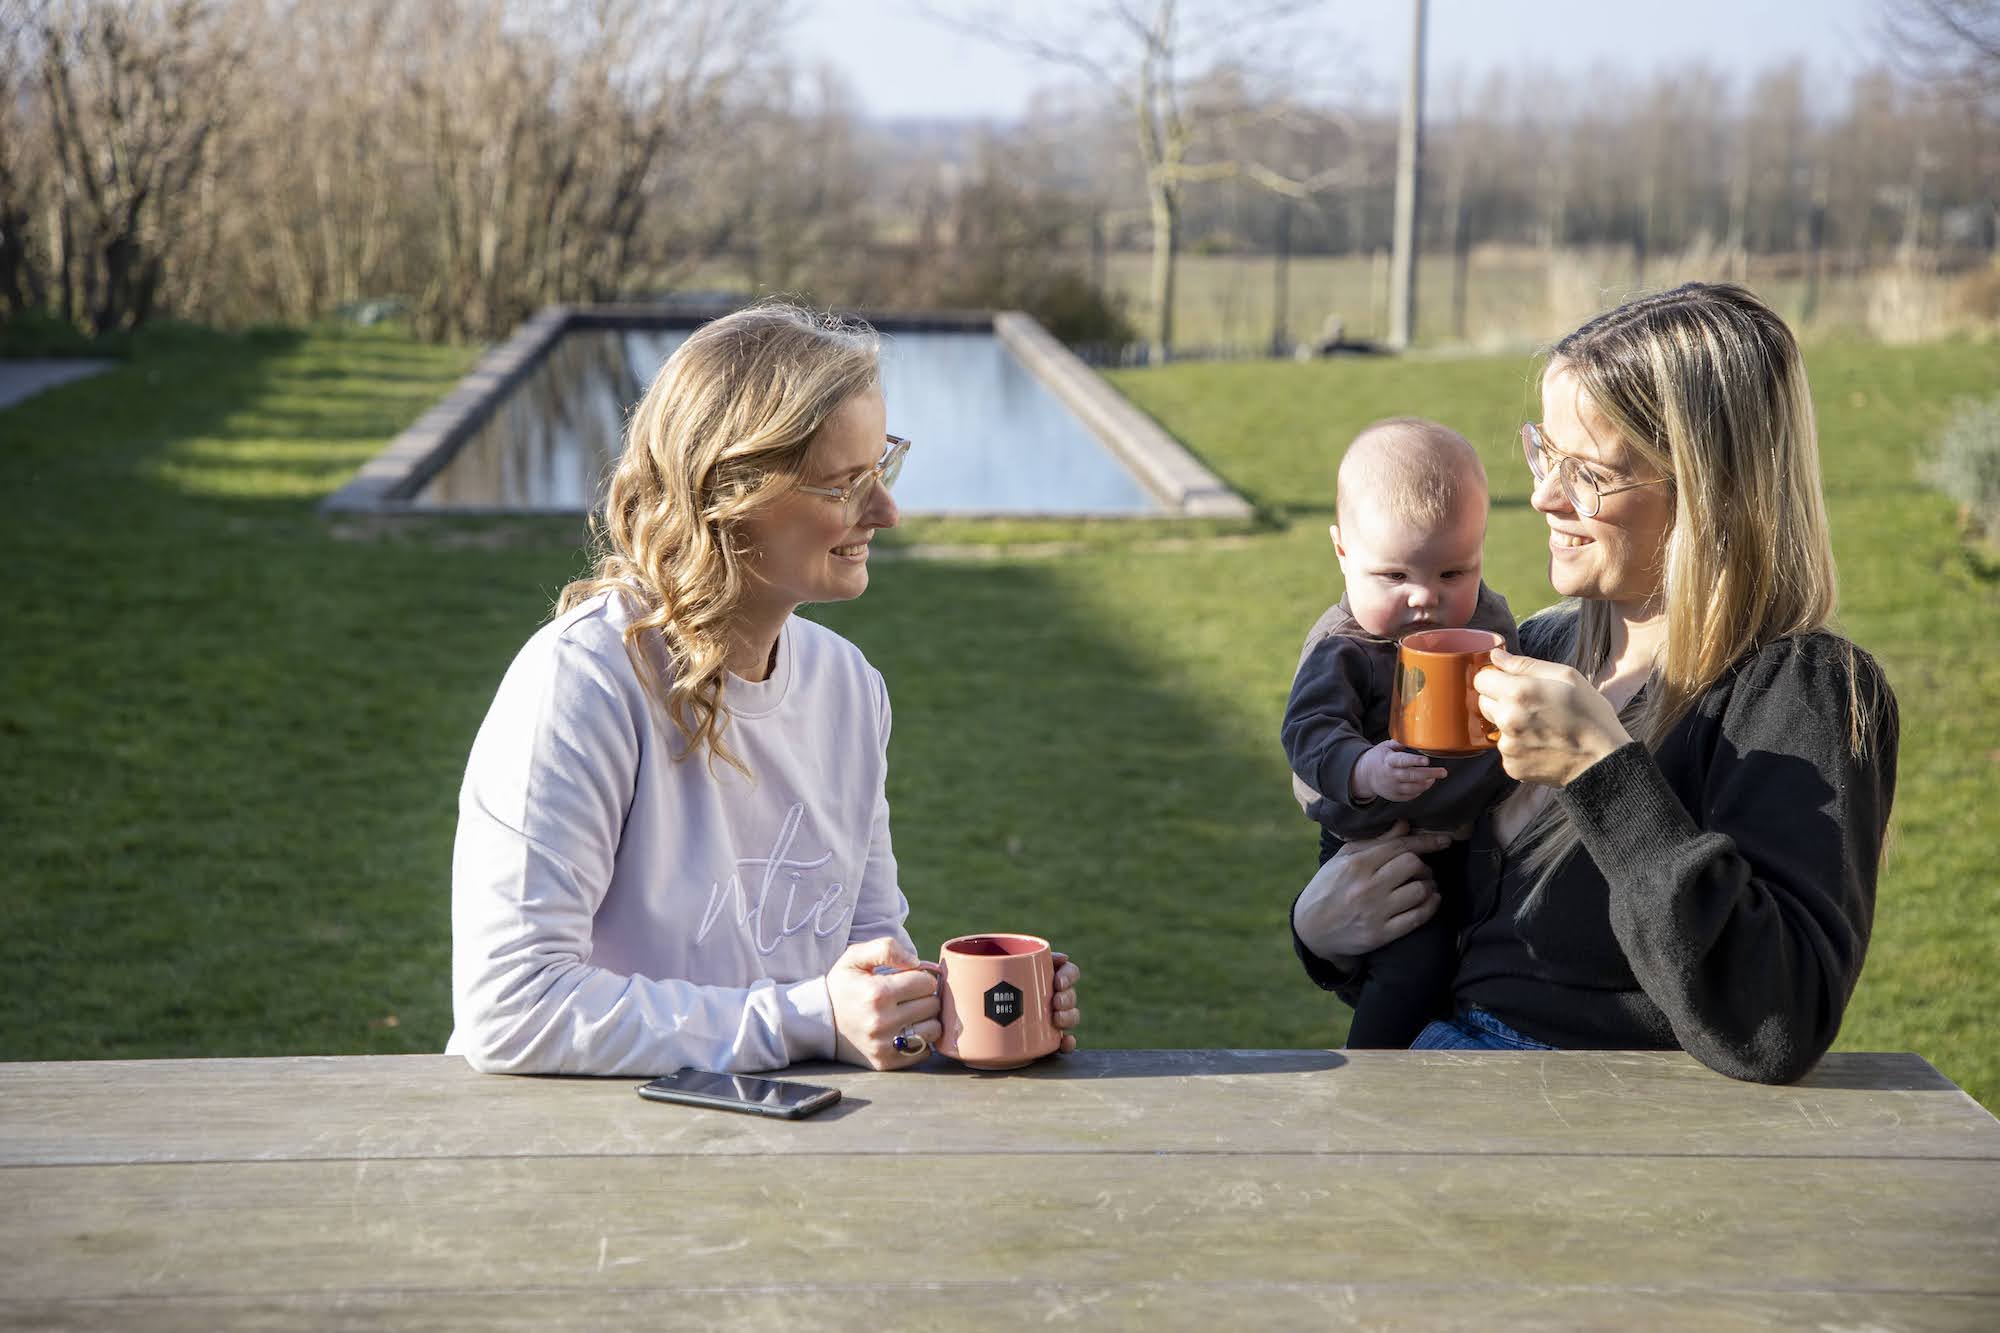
(391, 479)
(390, 482)
(1163, 464)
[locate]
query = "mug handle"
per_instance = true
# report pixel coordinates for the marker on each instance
(937, 974)
(1480, 661)
(921, 965)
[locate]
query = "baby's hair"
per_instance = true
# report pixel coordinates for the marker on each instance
(1420, 472)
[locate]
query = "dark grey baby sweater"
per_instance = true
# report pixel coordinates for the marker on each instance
(1339, 709)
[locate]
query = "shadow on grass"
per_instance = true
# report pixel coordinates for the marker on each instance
(235, 752)
(1047, 775)
(233, 737)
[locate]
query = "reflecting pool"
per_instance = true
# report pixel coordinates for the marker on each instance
(990, 438)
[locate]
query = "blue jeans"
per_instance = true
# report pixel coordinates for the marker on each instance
(1474, 1030)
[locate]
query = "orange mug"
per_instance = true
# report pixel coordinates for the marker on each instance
(994, 1000)
(1432, 705)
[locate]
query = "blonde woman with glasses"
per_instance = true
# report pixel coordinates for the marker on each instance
(673, 843)
(1706, 767)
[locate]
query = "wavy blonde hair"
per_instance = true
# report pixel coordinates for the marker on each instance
(1704, 384)
(722, 434)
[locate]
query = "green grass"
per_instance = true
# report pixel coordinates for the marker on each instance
(234, 730)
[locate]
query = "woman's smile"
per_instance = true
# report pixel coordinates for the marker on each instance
(854, 552)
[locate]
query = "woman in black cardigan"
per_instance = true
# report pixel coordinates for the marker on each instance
(1706, 769)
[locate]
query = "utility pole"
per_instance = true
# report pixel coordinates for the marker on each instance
(1281, 284)
(1409, 155)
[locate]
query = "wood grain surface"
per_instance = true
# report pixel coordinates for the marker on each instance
(1174, 1189)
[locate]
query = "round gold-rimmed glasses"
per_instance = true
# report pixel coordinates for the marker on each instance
(854, 495)
(1582, 484)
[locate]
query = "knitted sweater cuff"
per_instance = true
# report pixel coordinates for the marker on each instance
(1625, 811)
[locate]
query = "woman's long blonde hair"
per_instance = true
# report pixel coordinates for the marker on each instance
(1704, 384)
(721, 435)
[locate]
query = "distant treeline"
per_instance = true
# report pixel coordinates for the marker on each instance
(1686, 159)
(471, 160)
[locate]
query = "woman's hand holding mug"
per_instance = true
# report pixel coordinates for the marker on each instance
(1553, 723)
(1006, 1000)
(879, 994)
(887, 1005)
(1063, 1006)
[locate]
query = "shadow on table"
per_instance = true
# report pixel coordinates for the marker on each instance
(1877, 1072)
(1149, 1064)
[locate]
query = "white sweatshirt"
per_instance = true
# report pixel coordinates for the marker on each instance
(617, 912)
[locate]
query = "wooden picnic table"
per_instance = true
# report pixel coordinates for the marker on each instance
(1262, 1189)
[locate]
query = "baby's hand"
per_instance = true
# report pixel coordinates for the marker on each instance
(1388, 772)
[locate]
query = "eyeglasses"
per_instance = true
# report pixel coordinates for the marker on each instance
(1581, 483)
(853, 497)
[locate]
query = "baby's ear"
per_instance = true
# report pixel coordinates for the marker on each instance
(1333, 531)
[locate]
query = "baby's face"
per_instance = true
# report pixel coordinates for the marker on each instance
(1402, 578)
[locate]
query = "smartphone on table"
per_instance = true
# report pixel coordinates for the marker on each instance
(741, 1092)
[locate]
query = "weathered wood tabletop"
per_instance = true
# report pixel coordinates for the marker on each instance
(1108, 1188)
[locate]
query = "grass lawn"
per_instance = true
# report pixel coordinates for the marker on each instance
(234, 730)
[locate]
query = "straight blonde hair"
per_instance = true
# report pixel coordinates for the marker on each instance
(722, 434)
(1704, 385)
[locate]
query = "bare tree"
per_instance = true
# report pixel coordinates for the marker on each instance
(648, 104)
(565, 144)
(1951, 49)
(134, 95)
(311, 197)
(1289, 156)
(18, 285)
(239, 160)
(1951, 45)
(1175, 67)
(792, 195)
(478, 157)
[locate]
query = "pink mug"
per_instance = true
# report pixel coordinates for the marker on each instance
(995, 994)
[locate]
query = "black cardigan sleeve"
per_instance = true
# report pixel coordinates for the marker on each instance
(1322, 730)
(1745, 916)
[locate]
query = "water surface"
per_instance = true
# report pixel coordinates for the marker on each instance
(989, 437)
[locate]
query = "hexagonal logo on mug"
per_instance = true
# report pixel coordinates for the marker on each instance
(1003, 1003)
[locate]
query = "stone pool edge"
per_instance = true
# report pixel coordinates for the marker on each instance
(1162, 464)
(389, 482)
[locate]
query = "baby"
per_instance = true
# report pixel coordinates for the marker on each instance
(1410, 513)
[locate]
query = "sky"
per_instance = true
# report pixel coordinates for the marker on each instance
(900, 64)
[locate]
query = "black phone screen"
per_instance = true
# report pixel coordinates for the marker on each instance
(741, 1092)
